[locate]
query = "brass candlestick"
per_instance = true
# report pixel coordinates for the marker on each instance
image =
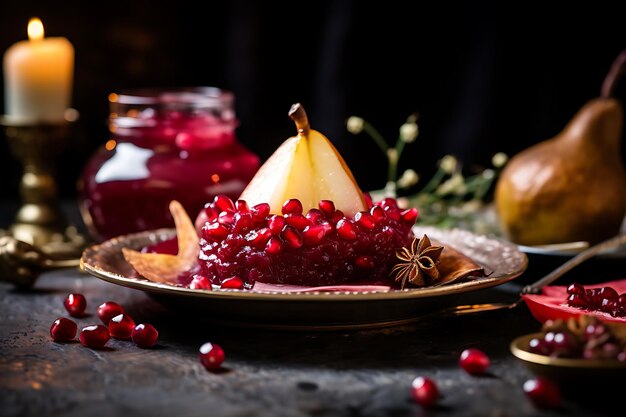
(40, 221)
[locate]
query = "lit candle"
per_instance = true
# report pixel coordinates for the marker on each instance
(38, 76)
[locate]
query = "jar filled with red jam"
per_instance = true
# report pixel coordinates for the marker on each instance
(165, 145)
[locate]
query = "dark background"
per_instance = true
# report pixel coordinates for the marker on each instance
(483, 79)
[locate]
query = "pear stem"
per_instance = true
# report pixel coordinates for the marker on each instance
(298, 115)
(617, 70)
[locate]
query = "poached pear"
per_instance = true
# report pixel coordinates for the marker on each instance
(571, 187)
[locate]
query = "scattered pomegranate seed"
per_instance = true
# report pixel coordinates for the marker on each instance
(211, 356)
(223, 203)
(327, 207)
(346, 230)
(144, 335)
(474, 361)
(232, 283)
(424, 391)
(63, 330)
(108, 310)
(292, 206)
(75, 304)
(95, 336)
(200, 282)
(121, 326)
(543, 392)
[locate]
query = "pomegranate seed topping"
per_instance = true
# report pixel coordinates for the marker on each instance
(292, 237)
(63, 330)
(392, 213)
(336, 216)
(260, 212)
(226, 217)
(223, 203)
(313, 235)
(232, 283)
(604, 299)
(424, 391)
(108, 310)
(200, 282)
(241, 206)
(576, 289)
(368, 200)
(297, 220)
(389, 203)
(292, 206)
(95, 336)
(242, 222)
(409, 216)
(314, 215)
(211, 356)
(345, 229)
(259, 238)
(276, 224)
(608, 293)
(121, 326)
(577, 300)
(75, 304)
(365, 262)
(144, 335)
(543, 392)
(327, 207)
(474, 361)
(377, 213)
(365, 219)
(214, 231)
(327, 227)
(274, 246)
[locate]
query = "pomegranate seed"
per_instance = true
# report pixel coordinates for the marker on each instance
(121, 326)
(424, 391)
(336, 216)
(260, 212)
(377, 213)
(577, 300)
(276, 224)
(108, 310)
(214, 232)
(292, 206)
(327, 207)
(474, 361)
(144, 335)
(409, 216)
(274, 246)
(314, 215)
(95, 336)
(75, 304)
(327, 227)
(200, 282)
(259, 238)
(365, 219)
(226, 217)
(242, 222)
(608, 293)
(241, 206)
(543, 392)
(292, 237)
(621, 301)
(211, 356)
(232, 283)
(389, 203)
(313, 235)
(297, 220)
(392, 213)
(223, 203)
(576, 289)
(63, 330)
(346, 230)
(539, 346)
(365, 262)
(368, 200)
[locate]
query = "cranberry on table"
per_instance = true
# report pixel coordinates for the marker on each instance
(543, 392)
(63, 330)
(94, 336)
(211, 356)
(474, 361)
(121, 326)
(108, 310)
(144, 335)
(75, 304)
(424, 391)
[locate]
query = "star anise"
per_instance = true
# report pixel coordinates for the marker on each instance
(418, 263)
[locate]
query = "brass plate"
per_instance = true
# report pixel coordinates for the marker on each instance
(312, 310)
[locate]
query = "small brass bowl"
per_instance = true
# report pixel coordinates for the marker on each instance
(569, 371)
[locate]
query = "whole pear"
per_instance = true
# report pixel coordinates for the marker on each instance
(571, 187)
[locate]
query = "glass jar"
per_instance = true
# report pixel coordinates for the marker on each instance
(165, 145)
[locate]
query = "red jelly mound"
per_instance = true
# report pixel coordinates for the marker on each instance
(552, 304)
(321, 247)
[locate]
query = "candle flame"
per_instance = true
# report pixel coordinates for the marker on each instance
(35, 29)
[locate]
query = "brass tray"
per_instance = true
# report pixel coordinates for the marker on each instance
(312, 310)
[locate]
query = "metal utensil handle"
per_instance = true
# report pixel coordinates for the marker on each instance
(574, 262)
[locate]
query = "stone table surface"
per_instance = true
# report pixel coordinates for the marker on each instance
(266, 373)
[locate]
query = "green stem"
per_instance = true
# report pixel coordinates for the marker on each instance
(375, 134)
(434, 182)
